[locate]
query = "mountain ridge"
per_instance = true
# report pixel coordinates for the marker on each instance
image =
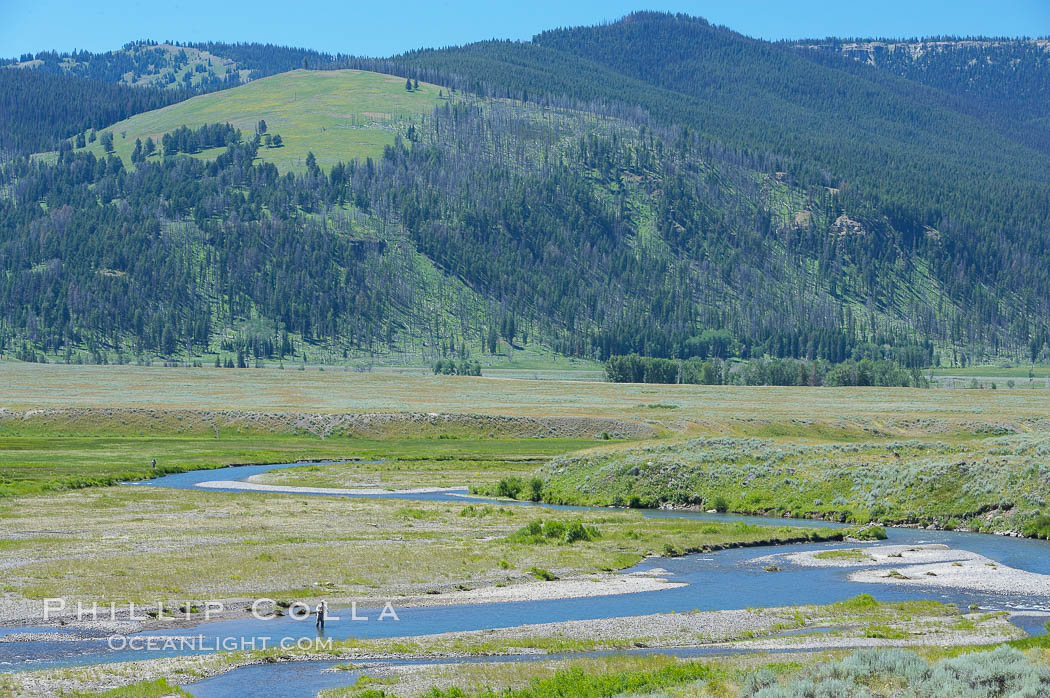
(736, 178)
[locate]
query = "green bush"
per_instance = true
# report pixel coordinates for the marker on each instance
(1038, 527)
(536, 489)
(510, 487)
(721, 505)
(536, 532)
(1003, 671)
(870, 533)
(577, 531)
(542, 574)
(860, 602)
(554, 530)
(448, 367)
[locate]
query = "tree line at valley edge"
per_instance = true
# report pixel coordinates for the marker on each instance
(765, 371)
(659, 182)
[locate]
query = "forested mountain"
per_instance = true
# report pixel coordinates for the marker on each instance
(1009, 78)
(657, 185)
(1004, 82)
(41, 109)
(485, 221)
(969, 200)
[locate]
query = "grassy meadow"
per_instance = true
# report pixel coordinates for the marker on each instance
(855, 453)
(125, 544)
(1019, 372)
(39, 461)
(821, 414)
(338, 115)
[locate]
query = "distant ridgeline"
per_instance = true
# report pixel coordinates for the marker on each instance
(49, 96)
(998, 79)
(203, 67)
(41, 109)
(657, 186)
(766, 371)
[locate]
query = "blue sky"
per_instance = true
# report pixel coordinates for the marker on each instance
(384, 28)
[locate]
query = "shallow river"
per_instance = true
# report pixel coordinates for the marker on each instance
(729, 579)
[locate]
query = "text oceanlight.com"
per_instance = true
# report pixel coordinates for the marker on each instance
(201, 643)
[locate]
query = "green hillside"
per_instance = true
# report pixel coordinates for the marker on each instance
(585, 193)
(955, 190)
(490, 224)
(338, 115)
(950, 483)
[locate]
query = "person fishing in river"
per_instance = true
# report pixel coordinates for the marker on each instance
(322, 611)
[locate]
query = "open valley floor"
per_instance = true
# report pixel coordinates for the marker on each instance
(509, 533)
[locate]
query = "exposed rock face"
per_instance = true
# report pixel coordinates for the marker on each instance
(802, 218)
(868, 51)
(844, 225)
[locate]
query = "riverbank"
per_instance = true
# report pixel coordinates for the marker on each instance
(855, 623)
(133, 544)
(248, 486)
(989, 482)
(31, 613)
